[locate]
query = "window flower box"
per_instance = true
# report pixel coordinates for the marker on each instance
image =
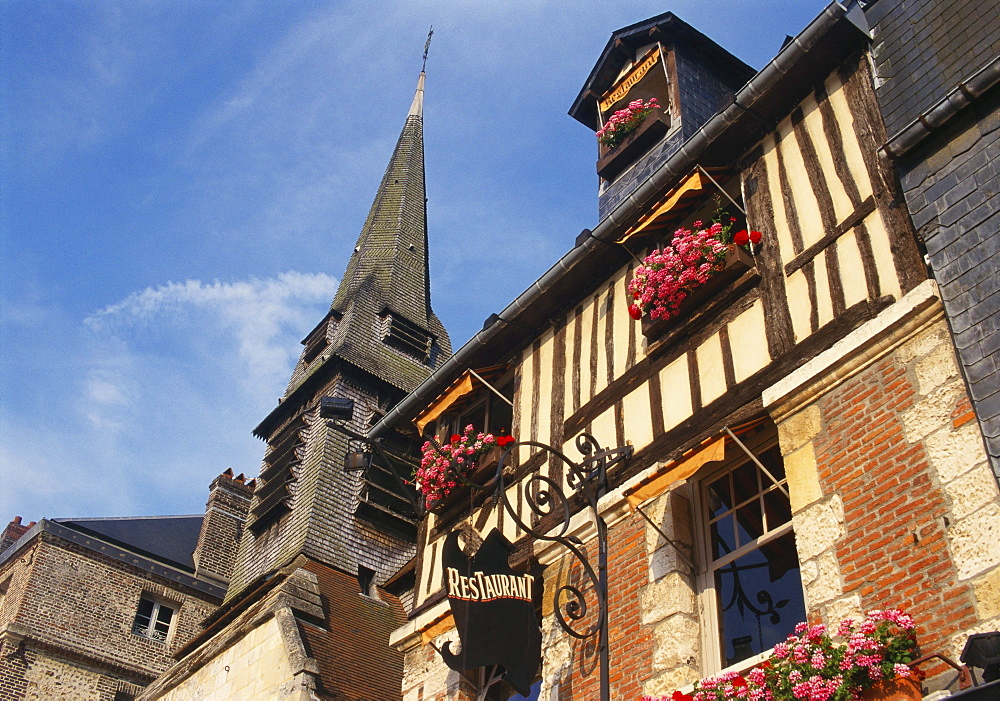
(737, 262)
(470, 456)
(612, 161)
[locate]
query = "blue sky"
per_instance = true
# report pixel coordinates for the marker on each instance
(182, 184)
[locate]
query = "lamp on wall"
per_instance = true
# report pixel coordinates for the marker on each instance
(356, 459)
(983, 650)
(336, 408)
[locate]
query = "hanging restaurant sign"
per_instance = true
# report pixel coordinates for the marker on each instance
(494, 610)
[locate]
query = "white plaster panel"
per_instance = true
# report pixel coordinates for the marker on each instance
(813, 124)
(602, 331)
(852, 271)
(883, 255)
(586, 341)
(544, 381)
(711, 376)
(748, 339)
(806, 207)
(675, 392)
(785, 245)
(638, 426)
(797, 294)
(623, 324)
(524, 402)
(824, 299)
(845, 120)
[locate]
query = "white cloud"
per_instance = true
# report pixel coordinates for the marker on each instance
(170, 382)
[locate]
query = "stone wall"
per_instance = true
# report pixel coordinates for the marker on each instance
(894, 503)
(66, 622)
(255, 667)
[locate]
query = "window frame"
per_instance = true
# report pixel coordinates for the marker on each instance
(712, 644)
(157, 604)
(485, 401)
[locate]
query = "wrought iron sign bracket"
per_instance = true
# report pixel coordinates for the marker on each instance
(545, 499)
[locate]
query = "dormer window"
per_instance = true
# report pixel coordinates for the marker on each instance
(481, 397)
(317, 340)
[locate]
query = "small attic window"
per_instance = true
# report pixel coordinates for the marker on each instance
(404, 335)
(316, 341)
(366, 580)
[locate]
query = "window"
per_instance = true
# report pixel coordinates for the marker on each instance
(751, 589)
(485, 411)
(153, 619)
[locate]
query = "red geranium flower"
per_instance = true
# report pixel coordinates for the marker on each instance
(634, 311)
(455, 438)
(741, 238)
(681, 696)
(503, 441)
(755, 237)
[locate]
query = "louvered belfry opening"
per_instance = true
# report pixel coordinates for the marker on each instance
(273, 487)
(404, 335)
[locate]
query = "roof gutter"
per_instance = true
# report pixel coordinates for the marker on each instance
(931, 121)
(669, 172)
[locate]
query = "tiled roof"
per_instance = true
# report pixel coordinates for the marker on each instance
(353, 653)
(170, 539)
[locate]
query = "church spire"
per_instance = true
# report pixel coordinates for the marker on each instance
(386, 286)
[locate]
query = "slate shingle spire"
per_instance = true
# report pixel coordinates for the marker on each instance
(382, 315)
(379, 340)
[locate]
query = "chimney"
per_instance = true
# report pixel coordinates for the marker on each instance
(226, 510)
(13, 532)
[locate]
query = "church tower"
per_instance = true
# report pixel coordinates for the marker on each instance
(379, 340)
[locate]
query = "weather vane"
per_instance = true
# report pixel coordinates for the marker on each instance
(427, 46)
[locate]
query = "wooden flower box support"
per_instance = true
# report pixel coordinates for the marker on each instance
(738, 262)
(613, 161)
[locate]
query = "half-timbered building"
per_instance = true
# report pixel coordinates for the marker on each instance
(796, 443)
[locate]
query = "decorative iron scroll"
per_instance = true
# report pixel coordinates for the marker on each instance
(546, 499)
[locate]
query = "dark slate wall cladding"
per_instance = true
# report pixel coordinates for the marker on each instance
(951, 187)
(701, 92)
(632, 178)
(924, 48)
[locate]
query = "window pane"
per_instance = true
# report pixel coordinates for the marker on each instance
(749, 526)
(771, 459)
(760, 599)
(723, 541)
(501, 414)
(745, 482)
(720, 498)
(777, 509)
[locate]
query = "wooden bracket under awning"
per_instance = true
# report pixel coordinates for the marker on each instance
(672, 205)
(467, 383)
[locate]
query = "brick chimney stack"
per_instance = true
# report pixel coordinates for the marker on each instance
(13, 532)
(228, 504)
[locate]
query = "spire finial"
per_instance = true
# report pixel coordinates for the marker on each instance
(427, 47)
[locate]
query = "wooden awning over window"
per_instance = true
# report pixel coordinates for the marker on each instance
(457, 393)
(676, 203)
(711, 450)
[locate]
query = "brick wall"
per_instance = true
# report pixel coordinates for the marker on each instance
(14, 530)
(894, 504)
(74, 610)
